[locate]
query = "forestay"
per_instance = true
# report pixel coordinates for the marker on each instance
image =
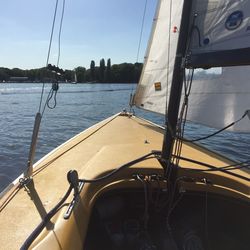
(156, 78)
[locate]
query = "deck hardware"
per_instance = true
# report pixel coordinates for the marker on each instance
(135, 176)
(157, 177)
(73, 179)
(24, 182)
(206, 181)
(77, 185)
(52, 212)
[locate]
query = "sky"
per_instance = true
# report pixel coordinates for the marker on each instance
(92, 30)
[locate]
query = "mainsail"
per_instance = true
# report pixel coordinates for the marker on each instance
(220, 36)
(156, 79)
(219, 31)
(219, 98)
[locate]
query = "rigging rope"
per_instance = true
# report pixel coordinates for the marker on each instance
(179, 136)
(52, 94)
(240, 165)
(59, 35)
(55, 86)
(131, 102)
(49, 49)
(142, 26)
(217, 132)
(146, 213)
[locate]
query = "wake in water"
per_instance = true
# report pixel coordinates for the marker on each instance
(37, 90)
(20, 90)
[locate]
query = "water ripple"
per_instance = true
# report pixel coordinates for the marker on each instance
(78, 107)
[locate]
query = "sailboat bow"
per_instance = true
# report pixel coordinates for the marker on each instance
(127, 183)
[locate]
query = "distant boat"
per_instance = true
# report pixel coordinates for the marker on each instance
(75, 78)
(136, 185)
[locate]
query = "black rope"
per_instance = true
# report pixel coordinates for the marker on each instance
(53, 211)
(52, 94)
(126, 165)
(224, 169)
(217, 132)
(183, 115)
(180, 128)
(45, 220)
(146, 215)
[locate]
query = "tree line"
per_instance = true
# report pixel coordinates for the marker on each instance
(103, 73)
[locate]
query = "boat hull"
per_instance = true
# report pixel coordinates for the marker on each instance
(94, 153)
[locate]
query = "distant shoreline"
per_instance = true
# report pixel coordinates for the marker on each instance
(117, 73)
(70, 83)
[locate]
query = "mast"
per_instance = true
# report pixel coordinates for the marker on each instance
(176, 89)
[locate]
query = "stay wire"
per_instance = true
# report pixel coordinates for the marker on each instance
(55, 86)
(187, 81)
(183, 114)
(142, 27)
(59, 35)
(179, 134)
(49, 49)
(131, 102)
(180, 130)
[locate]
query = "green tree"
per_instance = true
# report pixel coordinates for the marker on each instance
(80, 74)
(123, 73)
(16, 72)
(137, 72)
(4, 74)
(102, 70)
(107, 77)
(92, 70)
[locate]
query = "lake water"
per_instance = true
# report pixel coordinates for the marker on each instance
(78, 107)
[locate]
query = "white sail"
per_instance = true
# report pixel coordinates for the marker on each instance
(220, 26)
(156, 78)
(218, 99)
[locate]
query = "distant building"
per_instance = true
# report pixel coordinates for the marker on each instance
(18, 79)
